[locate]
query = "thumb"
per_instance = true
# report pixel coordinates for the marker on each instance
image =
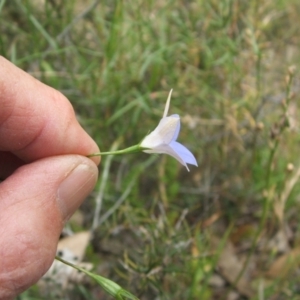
(35, 201)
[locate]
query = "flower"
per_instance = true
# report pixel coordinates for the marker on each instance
(163, 139)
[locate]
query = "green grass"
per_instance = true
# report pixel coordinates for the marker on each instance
(227, 62)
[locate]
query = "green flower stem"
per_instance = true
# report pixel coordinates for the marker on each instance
(69, 264)
(132, 149)
(109, 286)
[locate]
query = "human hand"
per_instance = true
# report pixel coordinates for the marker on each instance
(46, 176)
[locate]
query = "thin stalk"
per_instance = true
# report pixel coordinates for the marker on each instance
(132, 149)
(68, 263)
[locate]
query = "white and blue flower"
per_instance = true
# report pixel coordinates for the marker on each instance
(163, 139)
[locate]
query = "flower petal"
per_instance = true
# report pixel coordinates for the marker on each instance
(152, 140)
(176, 150)
(166, 149)
(168, 128)
(166, 131)
(184, 153)
(176, 133)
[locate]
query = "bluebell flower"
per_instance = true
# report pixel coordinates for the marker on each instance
(163, 139)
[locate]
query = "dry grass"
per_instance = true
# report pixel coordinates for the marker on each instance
(229, 64)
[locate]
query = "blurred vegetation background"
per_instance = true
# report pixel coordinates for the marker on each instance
(228, 229)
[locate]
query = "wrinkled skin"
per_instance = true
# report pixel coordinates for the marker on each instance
(45, 175)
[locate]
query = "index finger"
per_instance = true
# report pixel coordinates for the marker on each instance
(36, 121)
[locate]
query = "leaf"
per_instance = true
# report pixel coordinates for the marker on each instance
(229, 266)
(108, 285)
(76, 243)
(284, 264)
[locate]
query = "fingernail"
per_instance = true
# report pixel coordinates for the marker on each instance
(75, 188)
